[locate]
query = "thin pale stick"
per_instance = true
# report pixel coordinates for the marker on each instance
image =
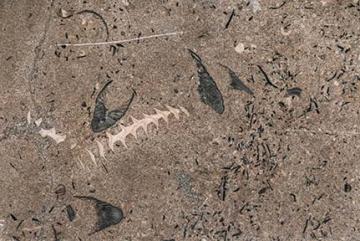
(122, 41)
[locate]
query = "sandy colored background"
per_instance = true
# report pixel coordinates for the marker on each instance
(289, 165)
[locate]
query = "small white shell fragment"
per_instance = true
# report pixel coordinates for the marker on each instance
(326, 2)
(73, 146)
(64, 13)
(240, 48)
(92, 156)
(2, 225)
(38, 122)
(284, 32)
(82, 53)
(101, 149)
(52, 134)
(28, 118)
(184, 110)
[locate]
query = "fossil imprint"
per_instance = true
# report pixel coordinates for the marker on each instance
(132, 130)
(143, 124)
(99, 148)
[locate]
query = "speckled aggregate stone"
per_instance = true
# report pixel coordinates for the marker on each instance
(273, 166)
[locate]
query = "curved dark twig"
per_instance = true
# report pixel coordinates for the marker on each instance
(267, 79)
(101, 18)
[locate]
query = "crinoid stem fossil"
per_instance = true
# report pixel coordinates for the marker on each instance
(143, 124)
(58, 138)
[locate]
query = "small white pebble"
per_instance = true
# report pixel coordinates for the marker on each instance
(29, 118)
(253, 46)
(284, 32)
(255, 5)
(240, 48)
(64, 13)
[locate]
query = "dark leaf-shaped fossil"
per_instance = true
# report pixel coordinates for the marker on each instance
(236, 82)
(107, 214)
(70, 213)
(104, 119)
(208, 90)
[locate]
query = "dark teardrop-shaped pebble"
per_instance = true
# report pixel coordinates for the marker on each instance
(107, 214)
(347, 187)
(70, 213)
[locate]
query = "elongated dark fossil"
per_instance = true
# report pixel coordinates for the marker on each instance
(107, 214)
(104, 119)
(208, 90)
(236, 82)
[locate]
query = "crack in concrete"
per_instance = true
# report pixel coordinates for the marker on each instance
(38, 55)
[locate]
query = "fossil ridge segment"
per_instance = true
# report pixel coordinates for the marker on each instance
(143, 124)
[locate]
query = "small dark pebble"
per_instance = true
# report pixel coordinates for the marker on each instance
(35, 220)
(294, 91)
(70, 213)
(60, 190)
(347, 187)
(15, 238)
(262, 190)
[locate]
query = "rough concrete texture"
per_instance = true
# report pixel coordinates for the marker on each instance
(271, 167)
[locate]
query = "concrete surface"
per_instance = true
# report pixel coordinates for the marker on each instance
(271, 167)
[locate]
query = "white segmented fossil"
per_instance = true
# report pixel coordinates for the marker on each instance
(101, 149)
(150, 119)
(143, 124)
(162, 114)
(92, 156)
(82, 166)
(184, 110)
(175, 112)
(125, 131)
(52, 134)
